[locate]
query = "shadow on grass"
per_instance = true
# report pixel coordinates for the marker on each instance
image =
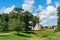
(29, 32)
(22, 35)
(3, 35)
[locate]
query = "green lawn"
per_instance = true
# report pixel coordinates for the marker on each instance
(14, 36)
(46, 34)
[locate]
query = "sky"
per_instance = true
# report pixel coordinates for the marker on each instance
(47, 9)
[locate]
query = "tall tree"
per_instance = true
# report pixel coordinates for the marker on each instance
(1, 22)
(58, 24)
(5, 21)
(16, 20)
(26, 17)
(34, 21)
(17, 10)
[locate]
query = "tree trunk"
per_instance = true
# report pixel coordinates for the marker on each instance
(18, 32)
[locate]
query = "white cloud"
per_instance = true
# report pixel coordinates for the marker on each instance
(34, 14)
(53, 17)
(7, 10)
(43, 22)
(46, 12)
(28, 5)
(29, 2)
(48, 1)
(43, 16)
(40, 7)
(50, 9)
(57, 4)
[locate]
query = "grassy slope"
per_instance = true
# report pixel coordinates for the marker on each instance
(47, 34)
(13, 36)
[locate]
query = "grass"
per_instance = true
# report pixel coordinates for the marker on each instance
(56, 36)
(45, 34)
(14, 36)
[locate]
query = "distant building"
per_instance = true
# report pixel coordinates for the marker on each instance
(37, 26)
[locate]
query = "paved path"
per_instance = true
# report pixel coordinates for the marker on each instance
(5, 33)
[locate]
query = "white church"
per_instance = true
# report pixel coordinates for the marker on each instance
(37, 26)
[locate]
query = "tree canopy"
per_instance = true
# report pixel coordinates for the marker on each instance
(16, 20)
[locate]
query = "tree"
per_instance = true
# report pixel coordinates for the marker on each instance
(1, 22)
(34, 21)
(17, 10)
(5, 21)
(20, 26)
(12, 21)
(13, 17)
(26, 17)
(17, 20)
(15, 23)
(58, 24)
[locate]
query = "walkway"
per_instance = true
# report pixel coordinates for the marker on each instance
(5, 33)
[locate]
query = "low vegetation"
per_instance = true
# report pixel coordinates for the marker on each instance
(46, 34)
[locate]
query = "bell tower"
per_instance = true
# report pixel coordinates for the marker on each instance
(37, 14)
(37, 26)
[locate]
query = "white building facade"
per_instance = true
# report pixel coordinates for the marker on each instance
(37, 26)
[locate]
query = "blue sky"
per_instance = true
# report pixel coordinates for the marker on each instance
(47, 8)
(8, 3)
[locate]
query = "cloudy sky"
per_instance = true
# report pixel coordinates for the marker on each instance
(47, 9)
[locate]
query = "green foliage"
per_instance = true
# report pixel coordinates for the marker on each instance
(26, 17)
(58, 24)
(34, 20)
(17, 20)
